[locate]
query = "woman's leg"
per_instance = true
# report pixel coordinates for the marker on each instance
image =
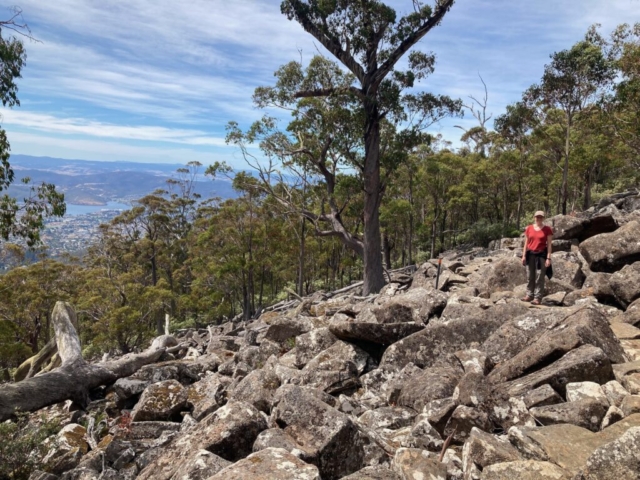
(531, 267)
(539, 286)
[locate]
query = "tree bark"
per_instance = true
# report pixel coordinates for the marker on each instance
(75, 377)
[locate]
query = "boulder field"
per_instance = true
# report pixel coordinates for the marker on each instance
(460, 382)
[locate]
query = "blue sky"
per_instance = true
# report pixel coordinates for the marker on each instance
(158, 80)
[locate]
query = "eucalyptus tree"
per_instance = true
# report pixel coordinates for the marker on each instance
(572, 82)
(369, 39)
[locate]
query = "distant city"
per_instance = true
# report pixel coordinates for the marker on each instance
(96, 192)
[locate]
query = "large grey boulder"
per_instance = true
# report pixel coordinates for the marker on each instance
(625, 284)
(506, 274)
(258, 389)
(609, 252)
(584, 364)
(160, 401)
(433, 384)
(631, 315)
(598, 284)
(417, 305)
(269, 464)
(567, 269)
(336, 368)
(435, 344)
(463, 420)
(229, 433)
(207, 395)
(584, 326)
(325, 433)
(310, 344)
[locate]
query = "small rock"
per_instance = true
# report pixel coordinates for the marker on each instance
(463, 420)
(613, 415)
(413, 464)
(630, 405)
(541, 396)
(269, 464)
(614, 392)
(483, 449)
(581, 390)
(586, 413)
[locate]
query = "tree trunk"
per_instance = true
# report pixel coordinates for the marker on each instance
(373, 271)
(301, 260)
(75, 377)
(565, 169)
(386, 246)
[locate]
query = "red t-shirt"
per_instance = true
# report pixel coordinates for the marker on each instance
(537, 239)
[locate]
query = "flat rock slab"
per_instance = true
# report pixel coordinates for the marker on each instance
(269, 464)
(609, 252)
(378, 333)
(567, 446)
(619, 459)
(524, 470)
(587, 413)
(624, 331)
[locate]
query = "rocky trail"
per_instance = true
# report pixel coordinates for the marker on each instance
(461, 382)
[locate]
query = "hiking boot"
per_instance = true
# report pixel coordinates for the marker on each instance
(527, 299)
(536, 301)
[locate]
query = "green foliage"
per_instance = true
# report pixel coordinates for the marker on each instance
(22, 447)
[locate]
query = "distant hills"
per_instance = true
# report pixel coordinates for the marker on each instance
(86, 182)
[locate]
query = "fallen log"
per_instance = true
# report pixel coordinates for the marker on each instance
(75, 377)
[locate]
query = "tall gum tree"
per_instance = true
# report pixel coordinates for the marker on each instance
(369, 39)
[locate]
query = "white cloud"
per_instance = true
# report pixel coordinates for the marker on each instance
(79, 126)
(177, 72)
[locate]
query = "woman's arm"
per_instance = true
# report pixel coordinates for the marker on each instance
(524, 248)
(549, 249)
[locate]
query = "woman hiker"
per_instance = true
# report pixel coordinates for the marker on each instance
(536, 255)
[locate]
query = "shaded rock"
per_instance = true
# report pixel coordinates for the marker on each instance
(566, 227)
(423, 435)
(40, 475)
(483, 449)
(225, 342)
(567, 268)
(609, 252)
(582, 390)
(80, 474)
(598, 284)
(631, 315)
(619, 459)
(373, 473)
(321, 430)
(463, 420)
(510, 412)
(229, 432)
(630, 405)
(586, 363)
(524, 470)
(417, 305)
(625, 284)
(613, 415)
(207, 395)
(472, 390)
(269, 464)
(258, 389)
(201, 466)
(160, 401)
(586, 413)
(432, 384)
(126, 388)
(312, 343)
(68, 449)
(282, 329)
(433, 345)
(413, 464)
(541, 396)
(624, 331)
(379, 333)
(336, 368)
(387, 417)
(438, 412)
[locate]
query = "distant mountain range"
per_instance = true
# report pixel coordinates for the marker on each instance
(86, 182)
